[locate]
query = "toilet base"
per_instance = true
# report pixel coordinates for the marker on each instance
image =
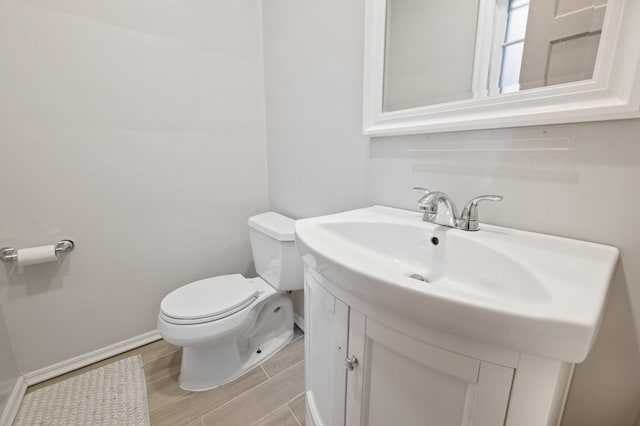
(223, 360)
(191, 372)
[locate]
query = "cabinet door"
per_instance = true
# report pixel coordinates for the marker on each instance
(326, 321)
(403, 381)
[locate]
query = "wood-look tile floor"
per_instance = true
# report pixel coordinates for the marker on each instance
(271, 394)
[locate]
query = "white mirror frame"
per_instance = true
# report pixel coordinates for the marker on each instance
(613, 92)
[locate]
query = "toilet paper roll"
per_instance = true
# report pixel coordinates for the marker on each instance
(35, 255)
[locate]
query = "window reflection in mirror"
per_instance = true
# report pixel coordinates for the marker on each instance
(439, 51)
(508, 57)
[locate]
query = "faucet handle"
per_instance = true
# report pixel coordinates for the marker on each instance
(469, 217)
(421, 189)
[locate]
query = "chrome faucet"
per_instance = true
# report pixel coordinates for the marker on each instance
(440, 209)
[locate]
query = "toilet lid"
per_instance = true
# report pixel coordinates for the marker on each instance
(211, 297)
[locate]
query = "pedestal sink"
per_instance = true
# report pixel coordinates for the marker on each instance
(532, 294)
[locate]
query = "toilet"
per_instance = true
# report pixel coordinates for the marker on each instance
(228, 324)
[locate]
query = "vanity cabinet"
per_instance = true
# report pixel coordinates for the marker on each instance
(360, 371)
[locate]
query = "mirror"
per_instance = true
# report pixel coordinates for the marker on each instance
(476, 48)
(440, 65)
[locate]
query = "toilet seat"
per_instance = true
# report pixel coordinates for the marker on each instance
(208, 300)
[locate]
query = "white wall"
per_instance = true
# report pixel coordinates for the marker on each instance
(136, 128)
(316, 154)
(316, 151)
(8, 366)
(313, 57)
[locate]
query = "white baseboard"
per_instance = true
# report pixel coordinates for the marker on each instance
(13, 403)
(299, 321)
(89, 358)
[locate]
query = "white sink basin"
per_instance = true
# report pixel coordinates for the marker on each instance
(530, 292)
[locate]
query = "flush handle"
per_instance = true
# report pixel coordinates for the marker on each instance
(351, 362)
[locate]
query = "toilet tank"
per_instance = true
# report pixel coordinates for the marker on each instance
(274, 252)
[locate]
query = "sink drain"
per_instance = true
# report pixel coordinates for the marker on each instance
(419, 277)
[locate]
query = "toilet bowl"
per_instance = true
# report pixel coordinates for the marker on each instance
(228, 324)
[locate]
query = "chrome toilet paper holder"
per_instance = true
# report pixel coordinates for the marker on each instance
(10, 254)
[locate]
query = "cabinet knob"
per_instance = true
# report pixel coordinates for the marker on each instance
(351, 362)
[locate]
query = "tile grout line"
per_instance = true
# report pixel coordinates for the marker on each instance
(294, 416)
(237, 396)
(157, 379)
(289, 406)
(265, 371)
(275, 354)
(249, 390)
(286, 404)
(267, 415)
(161, 356)
(295, 397)
(168, 401)
(169, 374)
(181, 397)
(206, 413)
